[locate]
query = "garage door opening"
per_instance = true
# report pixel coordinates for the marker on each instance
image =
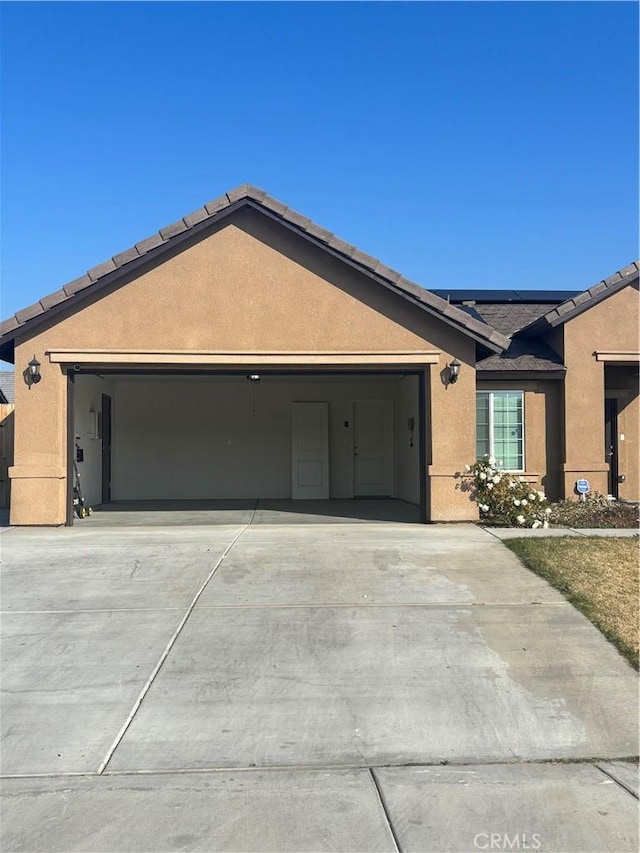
(205, 441)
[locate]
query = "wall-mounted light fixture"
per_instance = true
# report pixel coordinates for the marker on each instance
(253, 378)
(32, 373)
(454, 371)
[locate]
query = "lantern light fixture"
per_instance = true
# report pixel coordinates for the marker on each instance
(454, 371)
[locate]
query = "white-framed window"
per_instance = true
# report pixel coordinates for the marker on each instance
(500, 427)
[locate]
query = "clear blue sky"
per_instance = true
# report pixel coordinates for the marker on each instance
(465, 144)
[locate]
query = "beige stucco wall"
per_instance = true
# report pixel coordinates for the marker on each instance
(249, 286)
(610, 325)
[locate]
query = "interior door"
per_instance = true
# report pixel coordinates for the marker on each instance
(373, 448)
(611, 444)
(309, 450)
(106, 449)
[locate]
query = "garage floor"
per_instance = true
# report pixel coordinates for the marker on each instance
(306, 686)
(163, 513)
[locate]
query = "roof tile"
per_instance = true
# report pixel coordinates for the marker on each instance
(364, 259)
(126, 257)
(298, 219)
(612, 279)
(77, 285)
(30, 312)
(585, 296)
(150, 243)
(217, 204)
(564, 307)
(386, 272)
(174, 229)
(238, 193)
(319, 233)
(9, 325)
(196, 217)
(246, 191)
(255, 192)
(274, 205)
(341, 246)
(602, 286)
(632, 269)
(53, 299)
(102, 269)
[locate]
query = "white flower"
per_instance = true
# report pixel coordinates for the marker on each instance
(541, 496)
(489, 485)
(484, 507)
(492, 460)
(512, 484)
(536, 524)
(520, 519)
(524, 502)
(545, 524)
(467, 468)
(496, 479)
(516, 502)
(532, 497)
(547, 511)
(482, 475)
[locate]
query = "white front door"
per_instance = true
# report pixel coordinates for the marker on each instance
(310, 450)
(373, 448)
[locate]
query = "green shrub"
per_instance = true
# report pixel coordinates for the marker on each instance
(503, 498)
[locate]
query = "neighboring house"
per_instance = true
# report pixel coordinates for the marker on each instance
(6, 433)
(7, 386)
(246, 352)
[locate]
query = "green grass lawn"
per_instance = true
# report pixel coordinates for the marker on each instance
(598, 576)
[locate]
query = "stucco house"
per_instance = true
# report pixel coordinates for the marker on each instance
(246, 352)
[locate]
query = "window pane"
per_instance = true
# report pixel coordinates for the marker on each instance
(508, 429)
(483, 444)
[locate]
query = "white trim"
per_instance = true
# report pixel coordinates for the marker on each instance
(210, 357)
(617, 355)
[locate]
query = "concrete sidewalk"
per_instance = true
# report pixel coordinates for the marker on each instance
(317, 685)
(538, 533)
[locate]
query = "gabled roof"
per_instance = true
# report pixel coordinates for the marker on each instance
(524, 353)
(570, 308)
(122, 264)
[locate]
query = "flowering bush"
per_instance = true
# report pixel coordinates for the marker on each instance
(503, 498)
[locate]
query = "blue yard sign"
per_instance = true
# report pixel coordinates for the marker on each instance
(582, 487)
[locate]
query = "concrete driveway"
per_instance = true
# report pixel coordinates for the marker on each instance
(337, 683)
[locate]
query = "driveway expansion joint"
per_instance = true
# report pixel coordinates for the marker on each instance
(168, 648)
(616, 780)
(385, 809)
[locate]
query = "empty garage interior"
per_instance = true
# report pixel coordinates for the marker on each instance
(227, 436)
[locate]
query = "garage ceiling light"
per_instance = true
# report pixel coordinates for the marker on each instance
(254, 377)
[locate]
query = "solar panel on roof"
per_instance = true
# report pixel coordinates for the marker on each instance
(505, 296)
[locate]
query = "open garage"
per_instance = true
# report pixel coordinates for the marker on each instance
(141, 437)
